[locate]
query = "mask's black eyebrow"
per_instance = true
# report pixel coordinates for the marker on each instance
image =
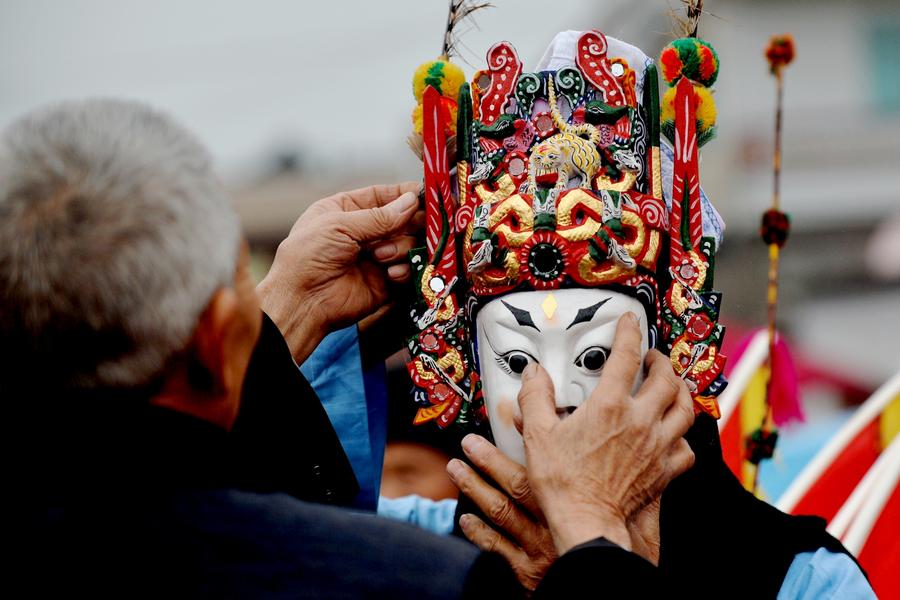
(586, 314)
(523, 317)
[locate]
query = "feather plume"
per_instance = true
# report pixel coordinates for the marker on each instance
(460, 10)
(688, 25)
(417, 145)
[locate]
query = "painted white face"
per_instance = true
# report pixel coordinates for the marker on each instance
(569, 332)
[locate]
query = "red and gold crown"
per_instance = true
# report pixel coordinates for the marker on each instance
(558, 182)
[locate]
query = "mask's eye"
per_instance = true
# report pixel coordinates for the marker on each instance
(592, 359)
(514, 361)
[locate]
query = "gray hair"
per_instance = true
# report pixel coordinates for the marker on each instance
(114, 235)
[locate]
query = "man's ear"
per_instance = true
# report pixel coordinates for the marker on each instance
(214, 345)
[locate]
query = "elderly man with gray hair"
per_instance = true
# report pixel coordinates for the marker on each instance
(164, 439)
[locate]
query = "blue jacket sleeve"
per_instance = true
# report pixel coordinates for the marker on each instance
(824, 574)
(357, 410)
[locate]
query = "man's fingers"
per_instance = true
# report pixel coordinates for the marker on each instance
(679, 417)
(508, 474)
(393, 249)
(536, 400)
(517, 422)
(375, 195)
(661, 388)
(624, 360)
(680, 459)
(393, 254)
(495, 505)
(489, 540)
(375, 224)
(399, 273)
(665, 394)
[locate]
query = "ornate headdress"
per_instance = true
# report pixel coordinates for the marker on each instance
(561, 181)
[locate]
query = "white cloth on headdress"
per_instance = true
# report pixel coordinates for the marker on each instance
(561, 53)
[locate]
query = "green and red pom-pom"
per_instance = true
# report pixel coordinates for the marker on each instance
(692, 58)
(671, 64)
(780, 51)
(708, 65)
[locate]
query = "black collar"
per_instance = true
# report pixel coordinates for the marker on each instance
(83, 447)
(72, 445)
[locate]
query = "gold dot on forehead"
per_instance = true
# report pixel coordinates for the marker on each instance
(549, 305)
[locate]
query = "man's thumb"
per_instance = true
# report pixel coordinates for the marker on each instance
(536, 398)
(372, 224)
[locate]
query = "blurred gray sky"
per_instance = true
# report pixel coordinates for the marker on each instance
(331, 79)
(331, 76)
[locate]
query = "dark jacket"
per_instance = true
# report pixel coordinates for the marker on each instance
(121, 498)
(718, 539)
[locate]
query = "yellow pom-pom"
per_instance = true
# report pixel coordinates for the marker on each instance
(417, 119)
(442, 75)
(667, 106)
(453, 80)
(706, 108)
(418, 82)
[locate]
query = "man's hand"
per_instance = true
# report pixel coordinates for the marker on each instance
(529, 548)
(643, 529)
(592, 472)
(334, 267)
(518, 531)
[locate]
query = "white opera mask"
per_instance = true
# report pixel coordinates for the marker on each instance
(569, 332)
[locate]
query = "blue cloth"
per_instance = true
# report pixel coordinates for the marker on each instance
(356, 405)
(376, 398)
(431, 515)
(824, 574)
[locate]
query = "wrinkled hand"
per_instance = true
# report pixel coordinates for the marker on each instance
(525, 541)
(593, 471)
(518, 531)
(334, 267)
(643, 529)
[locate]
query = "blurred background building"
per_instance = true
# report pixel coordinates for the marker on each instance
(301, 99)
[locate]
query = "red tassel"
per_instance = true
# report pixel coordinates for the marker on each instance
(784, 390)
(784, 394)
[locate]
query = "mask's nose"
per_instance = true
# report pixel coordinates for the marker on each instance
(569, 396)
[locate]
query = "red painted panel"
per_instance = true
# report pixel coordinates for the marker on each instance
(880, 556)
(826, 496)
